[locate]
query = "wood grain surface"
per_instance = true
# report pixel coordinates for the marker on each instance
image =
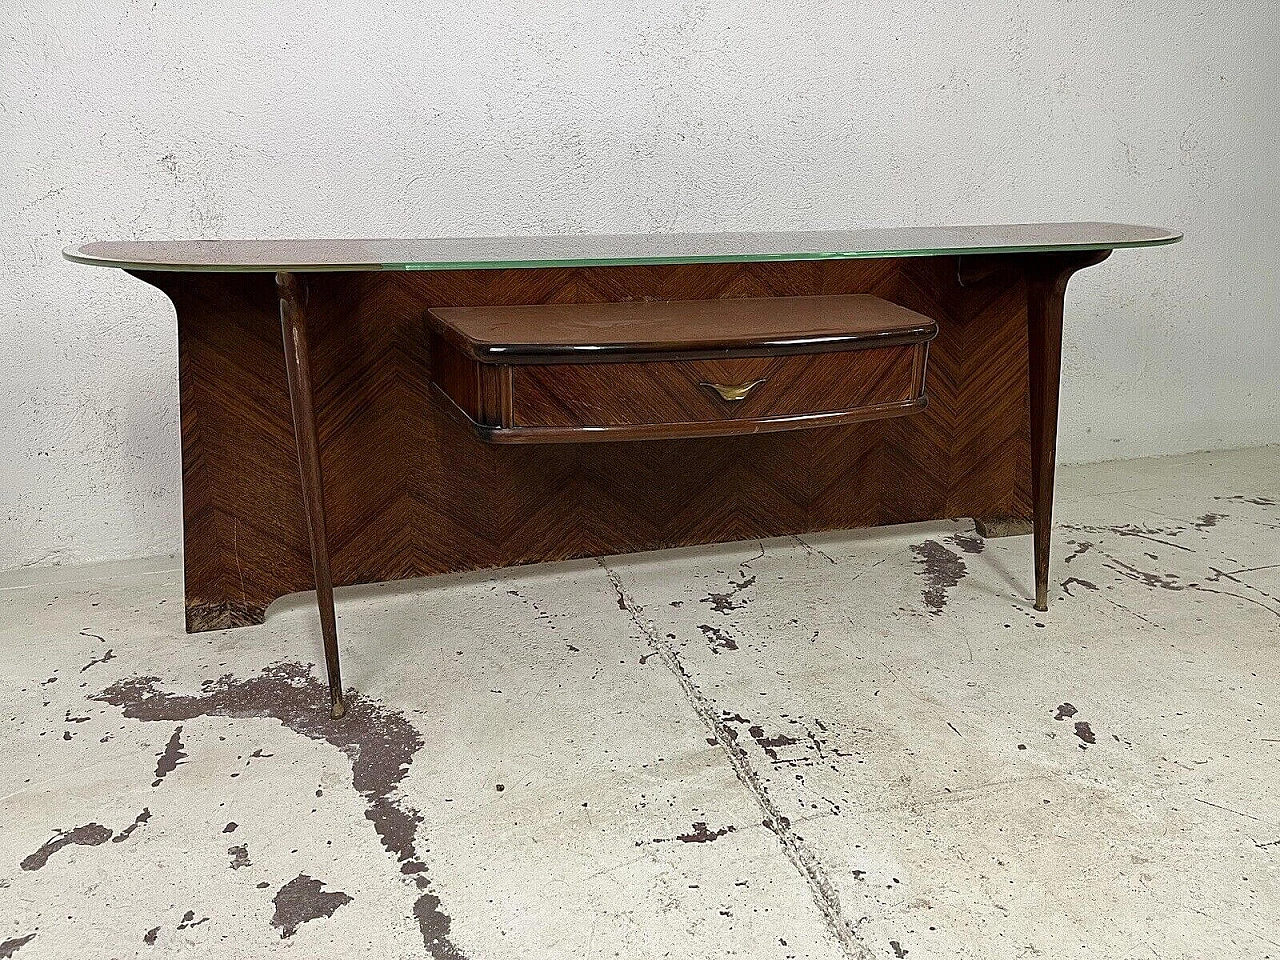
(601, 332)
(674, 391)
(410, 492)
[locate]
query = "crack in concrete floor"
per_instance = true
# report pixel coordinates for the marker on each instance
(798, 852)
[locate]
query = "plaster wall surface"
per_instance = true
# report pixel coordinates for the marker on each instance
(165, 119)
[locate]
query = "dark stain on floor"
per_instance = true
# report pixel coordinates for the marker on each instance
(10, 947)
(1085, 732)
(811, 746)
(379, 743)
(701, 834)
(768, 744)
(1172, 582)
(1081, 547)
(109, 655)
(149, 938)
(1145, 577)
(434, 925)
(725, 602)
(1067, 711)
(138, 821)
(168, 761)
(1256, 501)
(941, 568)
(1162, 535)
(239, 856)
(1087, 584)
(302, 900)
(969, 542)
(88, 835)
(719, 639)
(189, 920)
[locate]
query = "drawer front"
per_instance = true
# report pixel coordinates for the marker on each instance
(702, 397)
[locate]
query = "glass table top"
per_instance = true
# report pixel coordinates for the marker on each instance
(480, 253)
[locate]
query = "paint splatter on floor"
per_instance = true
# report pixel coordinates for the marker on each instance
(942, 569)
(380, 745)
(11, 946)
(302, 900)
(88, 835)
(731, 599)
(173, 755)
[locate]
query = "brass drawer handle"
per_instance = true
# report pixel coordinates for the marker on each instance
(730, 392)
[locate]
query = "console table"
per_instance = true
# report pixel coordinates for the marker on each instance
(435, 405)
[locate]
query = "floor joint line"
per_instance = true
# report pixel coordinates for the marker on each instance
(806, 862)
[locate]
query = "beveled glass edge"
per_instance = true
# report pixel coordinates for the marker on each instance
(71, 253)
(774, 257)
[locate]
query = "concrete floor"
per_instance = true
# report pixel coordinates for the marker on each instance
(850, 745)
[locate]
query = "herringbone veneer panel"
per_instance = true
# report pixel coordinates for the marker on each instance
(409, 492)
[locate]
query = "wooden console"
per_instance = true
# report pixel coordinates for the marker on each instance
(318, 457)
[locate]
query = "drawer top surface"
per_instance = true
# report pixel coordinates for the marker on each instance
(581, 332)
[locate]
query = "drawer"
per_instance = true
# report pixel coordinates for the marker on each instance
(715, 396)
(613, 372)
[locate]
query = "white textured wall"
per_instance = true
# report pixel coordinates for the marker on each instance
(235, 119)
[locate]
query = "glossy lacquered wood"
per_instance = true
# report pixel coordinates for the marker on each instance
(410, 493)
(1047, 278)
(663, 370)
(297, 363)
(685, 329)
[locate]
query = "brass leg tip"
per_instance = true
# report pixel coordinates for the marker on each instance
(1042, 606)
(339, 709)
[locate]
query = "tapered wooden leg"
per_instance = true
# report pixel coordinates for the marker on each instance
(297, 362)
(1046, 293)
